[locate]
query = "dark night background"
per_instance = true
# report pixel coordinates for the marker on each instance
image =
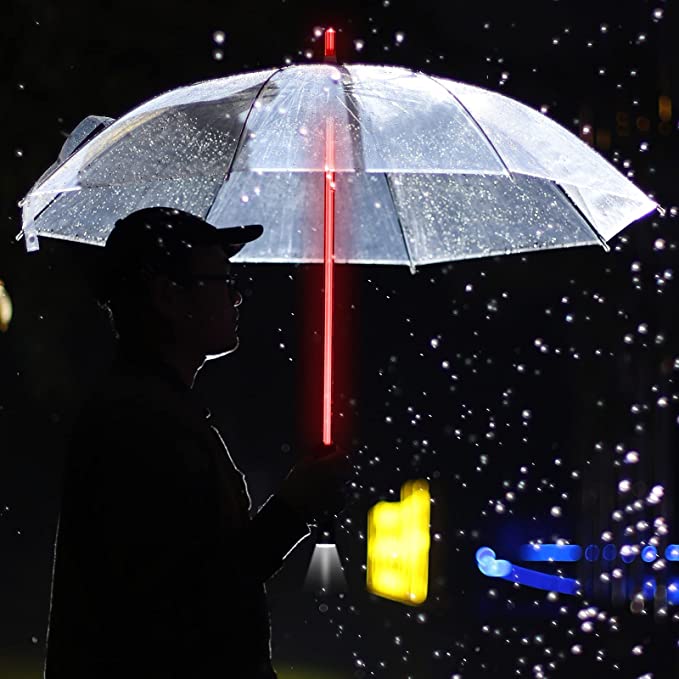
(532, 375)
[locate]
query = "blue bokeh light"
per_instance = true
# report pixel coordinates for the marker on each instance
(609, 552)
(649, 554)
(672, 553)
(484, 555)
(497, 568)
(591, 553)
(627, 555)
(550, 552)
(673, 592)
(648, 588)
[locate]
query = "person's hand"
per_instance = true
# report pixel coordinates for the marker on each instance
(315, 485)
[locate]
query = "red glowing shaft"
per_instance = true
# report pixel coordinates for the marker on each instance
(328, 263)
(328, 252)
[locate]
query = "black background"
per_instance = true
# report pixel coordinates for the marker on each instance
(64, 61)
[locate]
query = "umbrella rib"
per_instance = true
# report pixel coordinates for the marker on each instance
(352, 108)
(476, 123)
(411, 262)
(48, 204)
(587, 221)
(241, 137)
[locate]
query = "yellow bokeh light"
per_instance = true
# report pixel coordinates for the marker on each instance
(5, 308)
(398, 545)
(665, 108)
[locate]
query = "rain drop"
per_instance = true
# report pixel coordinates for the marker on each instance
(632, 457)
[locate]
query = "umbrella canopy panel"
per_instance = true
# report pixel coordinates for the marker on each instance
(531, 143)
(427, 169)
(182, 134)
(385, 119)
(400, 218)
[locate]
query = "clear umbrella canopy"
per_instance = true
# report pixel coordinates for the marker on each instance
(427, 169)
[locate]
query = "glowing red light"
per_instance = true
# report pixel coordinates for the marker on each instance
(328, 262)
(330, 42)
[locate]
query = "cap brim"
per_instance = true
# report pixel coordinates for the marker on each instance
(234, 238)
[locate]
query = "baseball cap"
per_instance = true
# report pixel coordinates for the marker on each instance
(158, 240)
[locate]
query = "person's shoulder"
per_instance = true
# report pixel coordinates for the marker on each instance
(127, 416)
(115, 400)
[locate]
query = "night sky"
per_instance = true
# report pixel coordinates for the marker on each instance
(518, 386)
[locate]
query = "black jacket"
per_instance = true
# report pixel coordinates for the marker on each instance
(159, 570)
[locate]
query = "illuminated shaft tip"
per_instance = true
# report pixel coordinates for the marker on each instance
(330, 54)
(330, 42)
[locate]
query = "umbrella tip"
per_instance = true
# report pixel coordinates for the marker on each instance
(330, 54)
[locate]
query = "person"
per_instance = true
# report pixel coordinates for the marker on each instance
(159, 564)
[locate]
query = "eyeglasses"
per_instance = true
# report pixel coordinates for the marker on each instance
(230, 279)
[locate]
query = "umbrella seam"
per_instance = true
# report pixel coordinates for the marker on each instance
(348, 104)
(473, 119)
(400, 225)
(239, 144)
(575, 206)
(48, 204)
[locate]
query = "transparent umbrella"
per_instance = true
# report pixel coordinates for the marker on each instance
(414, 169)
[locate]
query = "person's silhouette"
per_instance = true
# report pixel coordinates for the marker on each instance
(159, 568)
